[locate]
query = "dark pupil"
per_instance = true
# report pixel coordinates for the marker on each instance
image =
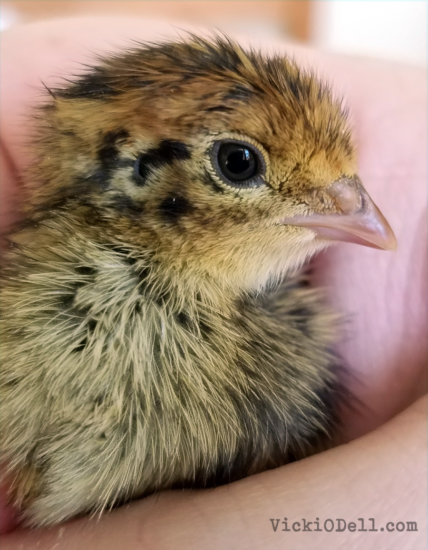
(237, 162)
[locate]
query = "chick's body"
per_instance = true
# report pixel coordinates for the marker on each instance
(141, 346)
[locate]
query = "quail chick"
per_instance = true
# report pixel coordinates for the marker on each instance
(156, 329)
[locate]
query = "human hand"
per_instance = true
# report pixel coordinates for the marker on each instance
(382, 293)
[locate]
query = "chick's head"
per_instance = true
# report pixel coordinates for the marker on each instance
(217, 161)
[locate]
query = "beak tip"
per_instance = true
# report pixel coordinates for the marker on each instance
(382, 239)
(388, 239)
(391, 245)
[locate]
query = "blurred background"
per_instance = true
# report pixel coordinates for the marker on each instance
(395, 30)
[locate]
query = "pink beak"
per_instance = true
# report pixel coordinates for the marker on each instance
(360, 221)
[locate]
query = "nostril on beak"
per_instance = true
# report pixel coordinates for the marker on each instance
(359, 220)
(347, 194)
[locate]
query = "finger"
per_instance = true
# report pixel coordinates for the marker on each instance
(8, 514)
(9, 187)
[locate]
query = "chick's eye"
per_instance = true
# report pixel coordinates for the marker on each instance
(238, 164)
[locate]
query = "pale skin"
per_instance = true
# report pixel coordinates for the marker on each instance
(381, 474)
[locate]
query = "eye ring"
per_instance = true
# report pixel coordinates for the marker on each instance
(238, 163)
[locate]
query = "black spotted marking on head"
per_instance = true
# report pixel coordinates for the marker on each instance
(143, 168)
(219, 109)
(94, 85)
(168, 151)
(126, 205)
(108, 157)
(108, 152)
(174, 208)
